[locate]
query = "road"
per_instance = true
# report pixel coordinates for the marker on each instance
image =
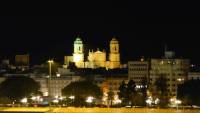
(95, 110)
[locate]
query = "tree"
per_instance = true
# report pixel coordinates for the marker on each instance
(5, 100)
(189, 92)
(110, 96)
(143, 92)
(131, 91)
(137, 99)
(16, 88)
(161, 89)
(81, 90)
(123, 92)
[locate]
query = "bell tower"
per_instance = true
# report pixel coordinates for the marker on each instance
(78, 55)
(114, 56)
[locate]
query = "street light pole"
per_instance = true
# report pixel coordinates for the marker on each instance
(49, 85)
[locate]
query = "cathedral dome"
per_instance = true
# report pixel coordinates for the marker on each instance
(78, 41)
(114, 41)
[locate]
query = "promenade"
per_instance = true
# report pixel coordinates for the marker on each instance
(91, 110)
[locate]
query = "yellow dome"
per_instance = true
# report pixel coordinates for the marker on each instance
(114, 41)
(78, 41)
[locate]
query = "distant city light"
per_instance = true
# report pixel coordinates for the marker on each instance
(157, 101)
(178, 101)
(45, 93)
(89, 99)
(149, 101)
(72, 97)
(24, 100)
(58, 75)
(55, 101)
(56, 96)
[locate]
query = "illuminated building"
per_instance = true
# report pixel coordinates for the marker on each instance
(78, 55)
(194, 76)
(22, 61)
(57, 84)
(95, 59)
(110, 84)
(114, 56)
(138, 71)
(173, 69)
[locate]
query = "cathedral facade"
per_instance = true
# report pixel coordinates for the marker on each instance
(95, 59)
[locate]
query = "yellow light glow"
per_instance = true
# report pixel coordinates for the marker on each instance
(50, 61)
(45, 93)
(178, 101)
(72, 97)
(24, 100)
(90, 99)
(55, 101)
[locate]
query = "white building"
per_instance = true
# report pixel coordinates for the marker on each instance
(194, 76)
(173, 69)
(138, 71)
(56, 84)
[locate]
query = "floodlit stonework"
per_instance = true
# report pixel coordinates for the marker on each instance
(95, 59)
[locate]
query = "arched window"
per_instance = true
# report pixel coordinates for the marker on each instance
(79, 48)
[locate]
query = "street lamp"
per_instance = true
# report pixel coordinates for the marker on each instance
(178, 80)
(72, 97)
(24, 101)
(89, 100)
(50, 63)
(49, 86)
(177, 102)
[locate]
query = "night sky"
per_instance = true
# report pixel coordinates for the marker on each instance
(45, 37)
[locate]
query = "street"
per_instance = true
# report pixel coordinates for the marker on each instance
(95, 110)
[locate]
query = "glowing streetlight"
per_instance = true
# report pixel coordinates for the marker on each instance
(55, 101)
(149, 101)
(177, 102)
(24, 101)
(157, 101)
(72, 97)
(89, 99)
(33, 98)
(118, 101)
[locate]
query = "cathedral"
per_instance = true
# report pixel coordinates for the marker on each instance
(95, 59)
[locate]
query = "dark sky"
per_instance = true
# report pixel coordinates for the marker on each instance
(45, 37)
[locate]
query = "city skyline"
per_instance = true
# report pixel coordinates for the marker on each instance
(52, 37)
